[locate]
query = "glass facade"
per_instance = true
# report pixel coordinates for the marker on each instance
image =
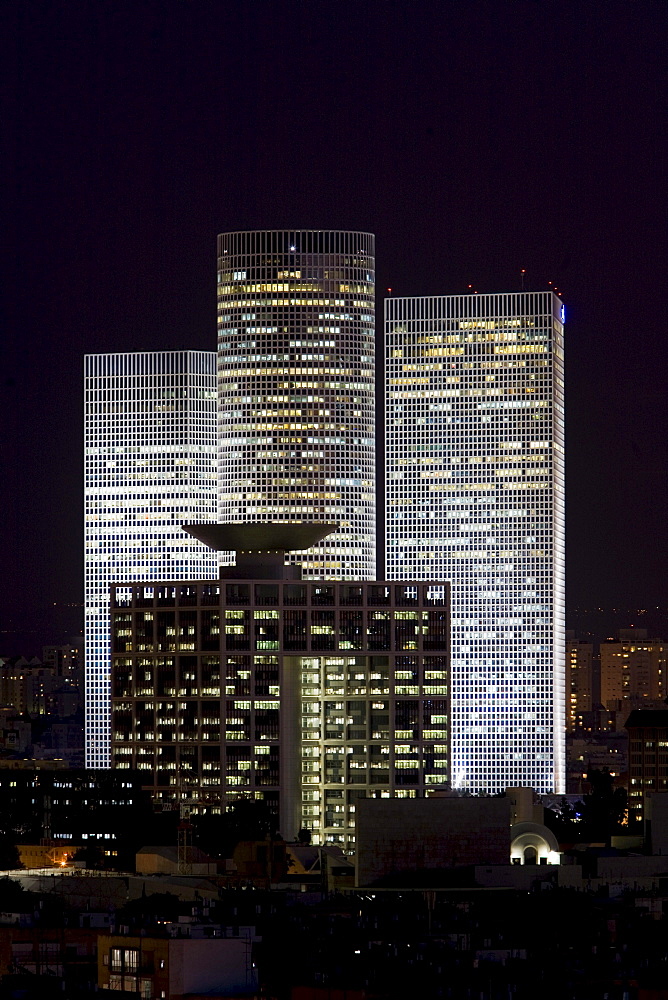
(307, 696)
(475, 495)
(149, 466)
(296, 332)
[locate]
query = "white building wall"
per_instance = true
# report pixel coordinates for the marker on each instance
(475, 495)
(216, 965)
(296, 332)
(149, 466)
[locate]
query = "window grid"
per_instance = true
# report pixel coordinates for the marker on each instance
(296, 332)
(475, 494)
(307, 696)
(149, 466)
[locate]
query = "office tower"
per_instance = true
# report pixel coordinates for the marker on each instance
(307, 695)
(633, 670)
(296, 333)
(578, 681)
(475, 495)
(149, 463)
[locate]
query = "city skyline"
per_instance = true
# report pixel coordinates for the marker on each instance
(474, 415)
(382, 764)
(513, 141)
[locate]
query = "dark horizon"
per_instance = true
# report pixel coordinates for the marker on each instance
(474, 140)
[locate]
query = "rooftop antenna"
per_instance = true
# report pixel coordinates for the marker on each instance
(523, 272)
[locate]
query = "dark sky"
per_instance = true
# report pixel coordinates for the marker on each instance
(473, 138)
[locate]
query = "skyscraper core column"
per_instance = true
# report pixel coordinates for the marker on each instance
(296, 330)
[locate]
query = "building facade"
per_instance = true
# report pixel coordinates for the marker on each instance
(579, 680)
(648, 757)
(216, 962)
(475, 495)
(71, 805)
(305, 695)
(296, 334)
(633, 670)
(149, 464)
(67, 659)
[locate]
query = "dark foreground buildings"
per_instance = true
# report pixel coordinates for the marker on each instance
(302, 694)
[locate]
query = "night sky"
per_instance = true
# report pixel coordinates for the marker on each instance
(474, 139)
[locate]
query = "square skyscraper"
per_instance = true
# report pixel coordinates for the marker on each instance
(149, 465)
(475, 495)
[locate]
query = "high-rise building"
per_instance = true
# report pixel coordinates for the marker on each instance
(475, 495)
(66, 659)
(648, 758)
(579, 679)
(149, 464)
(633, 670)
(296, 332)
(306, 695)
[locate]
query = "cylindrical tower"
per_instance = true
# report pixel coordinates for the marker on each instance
(296, 329)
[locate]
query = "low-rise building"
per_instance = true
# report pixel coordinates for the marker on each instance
(72, 806)
(49, 853)
(179, 966)
(166, 861)
(59, 953)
